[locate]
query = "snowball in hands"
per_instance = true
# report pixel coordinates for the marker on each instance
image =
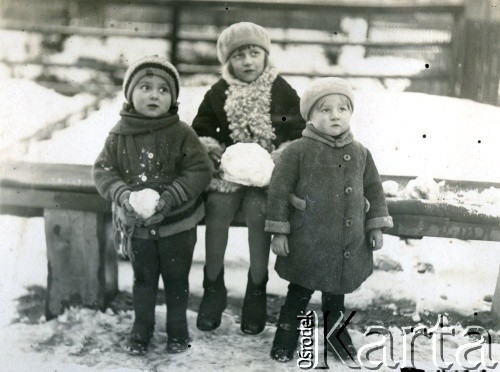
(144, 202)
(247, 164)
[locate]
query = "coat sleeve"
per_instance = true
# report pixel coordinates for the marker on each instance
(106, 175)
(283, 181)
(205, 121)
(377, 216)
(195, 171)
(286, 116)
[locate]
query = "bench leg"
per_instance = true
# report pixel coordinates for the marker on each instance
(82, 263)
(495, 306)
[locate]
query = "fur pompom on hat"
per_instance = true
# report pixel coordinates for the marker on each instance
(239, 34)
(323, 87)
(151, 65)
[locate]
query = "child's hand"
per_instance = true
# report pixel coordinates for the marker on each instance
(154, 219)
(215, 154)
(125, 203)
(139, 221)
(279, 245)
(161, 204)
(375, 239)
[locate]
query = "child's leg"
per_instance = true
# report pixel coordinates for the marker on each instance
(259, 241)
(221, 209)
(333, 307)
(287, 333)
(145, 288)
(254, 312)
(176, 255)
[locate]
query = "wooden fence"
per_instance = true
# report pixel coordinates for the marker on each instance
(481, 52)
(177, 21)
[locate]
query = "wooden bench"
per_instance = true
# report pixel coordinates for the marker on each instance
(82, 262)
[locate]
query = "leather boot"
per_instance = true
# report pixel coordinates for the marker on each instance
(254, 312)
(341, 347)
(287, 331)
(213, 303)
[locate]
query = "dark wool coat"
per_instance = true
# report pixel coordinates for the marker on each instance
(317, 196)
(170, 159)
(211, 120)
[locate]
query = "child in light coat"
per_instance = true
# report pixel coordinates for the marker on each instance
(150, 148)
(250, 103)
(327, 210)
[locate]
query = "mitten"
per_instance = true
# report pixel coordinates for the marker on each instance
(123, 201)
(166, 203)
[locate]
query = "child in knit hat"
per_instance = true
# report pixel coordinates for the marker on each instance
(326, 209)
(151, 149)
(250, 103)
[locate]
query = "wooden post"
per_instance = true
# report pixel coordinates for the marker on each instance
(82, 262)
(88, 13)
(481, 71)
(174, 33)
(495, 306)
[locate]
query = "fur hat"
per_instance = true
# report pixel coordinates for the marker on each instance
(151, 65)
(239, 34)
(323, 87)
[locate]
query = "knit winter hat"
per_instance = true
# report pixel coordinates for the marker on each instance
(151, 65)
(239, 34)
(323, 87)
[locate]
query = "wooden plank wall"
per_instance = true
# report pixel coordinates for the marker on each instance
(481, 65)
(474, 61)
(482, 62)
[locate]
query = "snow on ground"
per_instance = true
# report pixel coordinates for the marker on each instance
(420, 134)
(27, 107)
(84, 339)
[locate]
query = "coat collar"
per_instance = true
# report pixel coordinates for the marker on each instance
(335, 142)
(132, 122)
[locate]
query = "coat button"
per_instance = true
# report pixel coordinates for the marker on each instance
(347, 157)
(348, 222)
(217, 129)
(347, 254)
(348, 190)
(153, 232)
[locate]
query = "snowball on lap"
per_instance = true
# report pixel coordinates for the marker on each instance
(247, 164)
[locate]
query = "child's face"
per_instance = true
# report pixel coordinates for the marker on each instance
(151, 96)
(331, 115)
(247, 63)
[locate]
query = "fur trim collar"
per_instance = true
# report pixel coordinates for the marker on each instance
(248, 108)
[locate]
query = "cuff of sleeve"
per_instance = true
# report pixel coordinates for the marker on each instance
(379, 223)
(169, 201)
(176, 192)
(117, 189)
(277, 227)
(211, 144)
(123, 196)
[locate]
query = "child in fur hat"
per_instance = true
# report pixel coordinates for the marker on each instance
(250, 103)
(326, 209)
(150, 148)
